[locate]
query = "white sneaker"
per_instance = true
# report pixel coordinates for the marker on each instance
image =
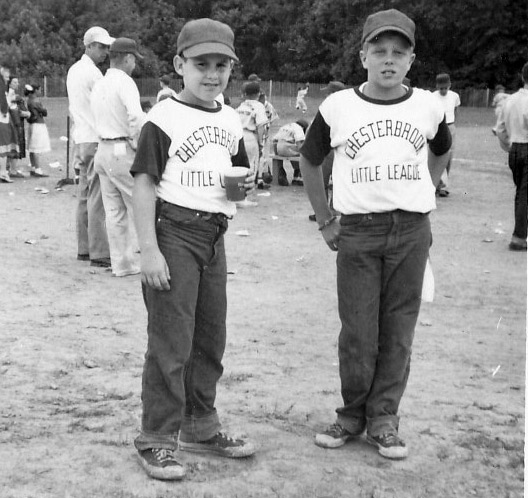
(246, 203)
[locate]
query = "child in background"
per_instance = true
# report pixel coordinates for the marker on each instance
(18, 112)
(301, 94)
(497, 103)
(166, 91)
(181, 211)
(38, 136)
(287, 142)
(8, 138)
(449, 101)
(253, 116)
(382, 134)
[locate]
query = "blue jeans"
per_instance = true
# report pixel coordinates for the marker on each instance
(380, 266)
(186, 330)
(518, 162)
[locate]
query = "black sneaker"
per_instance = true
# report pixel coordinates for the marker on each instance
(263, 186)
(298, 181)
(83, 257)
(311, 217)
(221, 444)
(160, 463)
(336, 436)
(389, 445)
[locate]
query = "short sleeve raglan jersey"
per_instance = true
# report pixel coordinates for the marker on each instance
(187, 150)
(380, 161)
(252, 114)
(290, 133)
(449, 102)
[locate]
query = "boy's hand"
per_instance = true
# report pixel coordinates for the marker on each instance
(249, 182)
(154, 270)
(330, 234)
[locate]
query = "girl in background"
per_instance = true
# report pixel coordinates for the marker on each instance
(18, 112)
(38, 136)
(8, 140)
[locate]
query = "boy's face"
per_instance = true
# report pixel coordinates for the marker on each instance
(387, 59)
(443, 88)
(204, 77)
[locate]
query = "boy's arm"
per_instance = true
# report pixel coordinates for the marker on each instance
(313, 184)
(154, 268)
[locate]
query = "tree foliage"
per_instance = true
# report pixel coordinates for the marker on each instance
(479, 42)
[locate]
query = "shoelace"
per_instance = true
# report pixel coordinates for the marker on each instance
(163, 455)
(336, 429)
(223, 435)
(390, 439)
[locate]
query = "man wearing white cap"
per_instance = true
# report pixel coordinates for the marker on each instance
(92, 241)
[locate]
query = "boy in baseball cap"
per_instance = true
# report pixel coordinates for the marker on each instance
(186, 147)
(384, 187)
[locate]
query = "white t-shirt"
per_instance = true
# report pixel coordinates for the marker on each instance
(449, 102)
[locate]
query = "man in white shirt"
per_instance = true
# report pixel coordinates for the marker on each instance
(92, 241)
(450, 101)
(116, 107)
(512, 130)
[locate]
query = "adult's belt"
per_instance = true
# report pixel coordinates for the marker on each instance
(117, 139)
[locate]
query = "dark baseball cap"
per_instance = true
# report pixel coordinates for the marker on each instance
(388, 20)
(206, 36)
(125, 46)
(253, 77)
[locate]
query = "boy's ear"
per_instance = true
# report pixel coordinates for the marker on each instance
(178, 64)
(362, 57)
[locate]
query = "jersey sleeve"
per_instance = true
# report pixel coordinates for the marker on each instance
(441, 142)
(316, 145)
(152, 151)
(240, 158)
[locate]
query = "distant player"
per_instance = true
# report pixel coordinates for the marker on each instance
(450, 101)
(300, 103)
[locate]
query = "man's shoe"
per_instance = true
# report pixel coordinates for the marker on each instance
(517, 246)
(221, 444)
(38, 173)
(283, 180)
(263, 186)
(336, 436)
(160, 463)
(101, 263)
(298, 181)
(389, 445)
(83, 257)
(16, 173)
(311, 217)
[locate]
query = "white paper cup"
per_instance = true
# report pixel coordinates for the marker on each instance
(234, 180)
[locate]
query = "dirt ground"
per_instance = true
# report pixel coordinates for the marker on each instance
(74, 337)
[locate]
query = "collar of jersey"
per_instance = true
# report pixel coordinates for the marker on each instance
(403, 98)
(199, 107)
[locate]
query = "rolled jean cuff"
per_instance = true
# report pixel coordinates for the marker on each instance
(196, 429)
(147, 440)
(381, 425)
(354, 425)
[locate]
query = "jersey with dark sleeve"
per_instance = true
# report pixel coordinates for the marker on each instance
(187, 149)
(153, 152)
(380, 149)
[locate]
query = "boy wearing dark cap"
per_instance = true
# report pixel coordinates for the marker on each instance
(181, 211)
(381, 133)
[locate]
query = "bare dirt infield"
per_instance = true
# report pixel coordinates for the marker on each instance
(73, 340)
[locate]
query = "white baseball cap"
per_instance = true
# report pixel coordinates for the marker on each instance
(97, 34)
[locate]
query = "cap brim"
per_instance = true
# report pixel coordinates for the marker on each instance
(104, 40)
(384, 29)
(209, 48)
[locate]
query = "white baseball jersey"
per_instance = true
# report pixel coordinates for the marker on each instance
(252, 114)
(380, 161)
(187, 150)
